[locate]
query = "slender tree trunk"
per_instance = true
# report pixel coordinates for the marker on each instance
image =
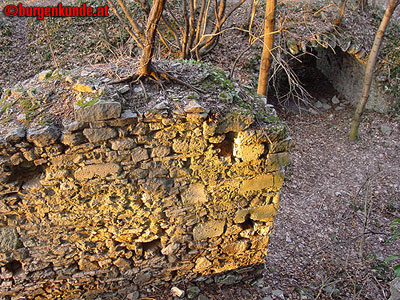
(151, 26)
(265, 63)
(370, 68)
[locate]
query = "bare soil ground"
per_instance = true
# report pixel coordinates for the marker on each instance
(332, 231)
(331, 234)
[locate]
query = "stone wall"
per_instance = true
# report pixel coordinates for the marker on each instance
(346, 73)
(118, 199)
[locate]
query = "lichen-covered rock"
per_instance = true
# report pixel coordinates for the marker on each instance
(9, 239)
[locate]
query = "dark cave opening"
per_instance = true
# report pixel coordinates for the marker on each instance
(314, 82)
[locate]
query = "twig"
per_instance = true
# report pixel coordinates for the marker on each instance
(144, 91)
(50, 44)
(320, 289)
(237, 59)
(382, 289)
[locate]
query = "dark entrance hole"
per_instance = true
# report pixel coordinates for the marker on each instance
(14, 267)
(25, 172)
(316, 84)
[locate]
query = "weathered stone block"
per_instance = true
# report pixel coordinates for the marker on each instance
(260, 182)
(30, 155)
(44, 136)
(73, 139)
(209, 129)
(123, 144)
(193, 107)
(127, 117)
(195, 194)
(99, 170)
(180, 145)
(197, 145)
(171, 249)
(99, 111)
(260, 213)
(202, 263)
(122, 264)
(99, 134)
(278, 180)
(75, 126)
(277, 161)
(9, 239)
(141, 129)
(270, 181)
(87, 265)
(235, 247)
(281, 145)
(248, 152)
(57, 174)
(209, 229)
(235, 122)
(161, 151)
(15, 135)
(17, 158)
(139, 154)
(143, 278)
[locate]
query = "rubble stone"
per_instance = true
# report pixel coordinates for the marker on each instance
(126, 200)
(99, 111)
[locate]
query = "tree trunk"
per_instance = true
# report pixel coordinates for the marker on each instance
(151, 26)
(265, 63)
(370, 68)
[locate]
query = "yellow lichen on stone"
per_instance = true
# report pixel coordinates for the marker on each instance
(83, 88)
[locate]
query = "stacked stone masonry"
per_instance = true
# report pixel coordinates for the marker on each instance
(118, 199)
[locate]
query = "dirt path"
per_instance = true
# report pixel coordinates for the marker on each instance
(315, 248)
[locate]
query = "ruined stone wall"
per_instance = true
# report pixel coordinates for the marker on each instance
(115, 200)
(346, 74)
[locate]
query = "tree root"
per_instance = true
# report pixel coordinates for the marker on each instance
(158, 77)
